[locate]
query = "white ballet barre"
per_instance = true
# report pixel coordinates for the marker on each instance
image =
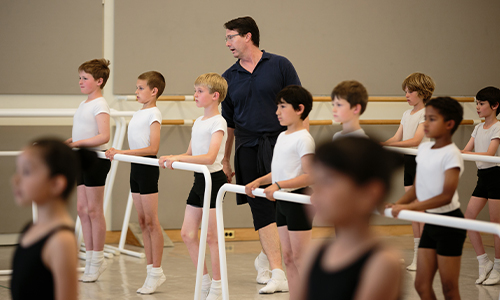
(408, 215)
(204, 219)
(240, 189)
(469, 157)
(118, 138)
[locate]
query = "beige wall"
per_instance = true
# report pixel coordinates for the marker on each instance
(376, 42)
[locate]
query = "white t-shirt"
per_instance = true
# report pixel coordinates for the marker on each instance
(357, 133)
(482, 138)
(201, 135)
(410, 124)
(288, 151)
(85, 123)
(431, 165)
(139, 128)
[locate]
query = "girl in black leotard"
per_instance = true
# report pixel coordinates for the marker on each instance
(45, 262)
(351, 178)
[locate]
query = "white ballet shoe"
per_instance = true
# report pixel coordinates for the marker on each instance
(277, 283)
(215, 291)
(263, 272)
(92, 277)
(412, 267)
(143, 286)
(493, 279)
(484, 272)
(153, 283)
(205, 286)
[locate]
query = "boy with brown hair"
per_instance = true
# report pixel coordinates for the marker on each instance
(91, 129)
(144, 140)
(418, 90)
(349, 100)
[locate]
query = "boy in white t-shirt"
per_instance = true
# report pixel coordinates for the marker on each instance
(418, 90)
(485, 141)
(91, 129)
(349, 100)
(144, 140)
(439, 166)
(208, 141)
(290, 172)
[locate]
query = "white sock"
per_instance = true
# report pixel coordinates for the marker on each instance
(262, 256)
(156, 271)
(416, 242)
(206, 283)
(88, 260)
(483, 259)
(97, 259)
(148, 268)
(216, 286)
(496, 266)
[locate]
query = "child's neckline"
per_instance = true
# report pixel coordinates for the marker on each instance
(88, 101)
(491, 125)
(414, 112)
(148, 108)
(288, 133)
(203, 118)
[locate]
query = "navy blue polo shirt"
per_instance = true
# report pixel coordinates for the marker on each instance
(250, 101)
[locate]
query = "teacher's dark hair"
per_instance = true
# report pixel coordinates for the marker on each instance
(244, 25)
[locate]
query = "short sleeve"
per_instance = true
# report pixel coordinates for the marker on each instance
(496, 132)
(155, 117)
(421, 149)
(305, 145)
(474, 132)
(218, 124)
(453, 159)
(101, 107)
(290, 75)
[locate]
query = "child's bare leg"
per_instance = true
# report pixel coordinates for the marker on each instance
(189, 233)
(213, 244)
(150, 206)
(474, 207)
(417, 233)
(82, 209)
(449, 271)
(426, 270)
(494, 278)
(146, 238)
(95, 196)
(293, 245)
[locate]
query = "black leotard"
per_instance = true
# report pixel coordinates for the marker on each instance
(30, 277)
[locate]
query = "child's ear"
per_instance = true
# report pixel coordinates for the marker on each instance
(59, 184)
(300, 110)
(154, 91)
(494, 106)
(357, 109)
(216, 96)
(100, 81)
(450, 124)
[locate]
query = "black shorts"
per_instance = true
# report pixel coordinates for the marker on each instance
(488, 183)
(144, 178)
(446, 241)
(245, 164)
(197, 193)
(95, 175)
(410, 169)
(293, 215)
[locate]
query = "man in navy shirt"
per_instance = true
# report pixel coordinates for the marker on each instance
(250, 111)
